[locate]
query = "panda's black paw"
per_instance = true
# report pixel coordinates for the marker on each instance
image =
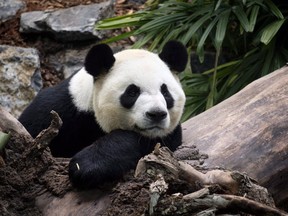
(81, 172)
(113, 155)
(107, 160)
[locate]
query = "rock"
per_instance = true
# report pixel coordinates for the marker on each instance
(20, 77)
(8, 8)
(70, 24)
(69, 61)
(30, 22)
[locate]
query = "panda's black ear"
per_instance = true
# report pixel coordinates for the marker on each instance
(99, 60)
(175, 55)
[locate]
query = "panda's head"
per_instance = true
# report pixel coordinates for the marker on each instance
(136, 89)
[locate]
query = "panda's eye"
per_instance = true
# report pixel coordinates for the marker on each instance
(164, 90)
(130, 96)
(167, 95)
(132, 91)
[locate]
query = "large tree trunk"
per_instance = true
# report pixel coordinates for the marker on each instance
(248, 132)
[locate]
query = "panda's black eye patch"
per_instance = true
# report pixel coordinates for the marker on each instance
(130, 96)
(132, 90)
(167, 96)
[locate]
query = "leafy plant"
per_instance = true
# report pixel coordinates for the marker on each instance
(251, 32)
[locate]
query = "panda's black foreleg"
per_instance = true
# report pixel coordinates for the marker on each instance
(113, 155)
(108, 159)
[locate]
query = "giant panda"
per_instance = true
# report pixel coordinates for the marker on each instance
(114, 111)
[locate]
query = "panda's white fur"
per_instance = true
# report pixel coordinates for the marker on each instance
(81, 90)
(142, 68)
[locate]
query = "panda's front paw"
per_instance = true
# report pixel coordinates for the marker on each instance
(108, 158)
(78, 173)
(85, 171)
(97, 164)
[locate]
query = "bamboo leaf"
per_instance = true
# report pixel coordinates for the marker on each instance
(200, 48)
(269, 52)
(242, 17)
(274, 9)
(158, 38)
(270, 31)
(118, 22)
(194, 27)
(161, 21)
(119, 37)
(220, 67)
(144, 40)
(175, 33)
(189, 112)
(229, 81)
(217, 4)
(253, 17)
(210, 100)
(221, 28)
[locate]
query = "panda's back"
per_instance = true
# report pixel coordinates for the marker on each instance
(79, 128)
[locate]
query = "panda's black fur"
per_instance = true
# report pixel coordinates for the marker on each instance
(99, 157)
(111, 156)
(79, 129)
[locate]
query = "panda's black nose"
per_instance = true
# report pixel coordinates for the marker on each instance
(156, 115)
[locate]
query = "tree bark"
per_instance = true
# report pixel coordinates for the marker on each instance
(248, 132)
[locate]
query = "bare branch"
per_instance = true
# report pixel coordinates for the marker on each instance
(44, 137)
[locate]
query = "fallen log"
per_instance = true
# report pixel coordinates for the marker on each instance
(248, 132)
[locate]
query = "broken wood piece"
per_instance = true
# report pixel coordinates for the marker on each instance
(44, 138)
(47, 135)
(235, 184)
(9, 124)
(197, 194)
(156, 189)
(250, 206)
(182, 170)
(227, 204)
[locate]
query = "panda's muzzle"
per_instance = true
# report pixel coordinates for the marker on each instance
(148, 128)
(156, 115)
(154, 121)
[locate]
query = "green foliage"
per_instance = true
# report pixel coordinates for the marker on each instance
(251, 32)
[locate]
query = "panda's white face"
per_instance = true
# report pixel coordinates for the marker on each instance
(139, 93)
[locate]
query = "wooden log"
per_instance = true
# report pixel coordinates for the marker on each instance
(248, 132)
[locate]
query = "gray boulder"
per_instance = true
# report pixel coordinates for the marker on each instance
(70, 24)
(20, 77)
(68, 61)
(8, 8)
(71, 60)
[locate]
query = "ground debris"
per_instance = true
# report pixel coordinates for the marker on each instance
(171, 187)
(29, 167)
